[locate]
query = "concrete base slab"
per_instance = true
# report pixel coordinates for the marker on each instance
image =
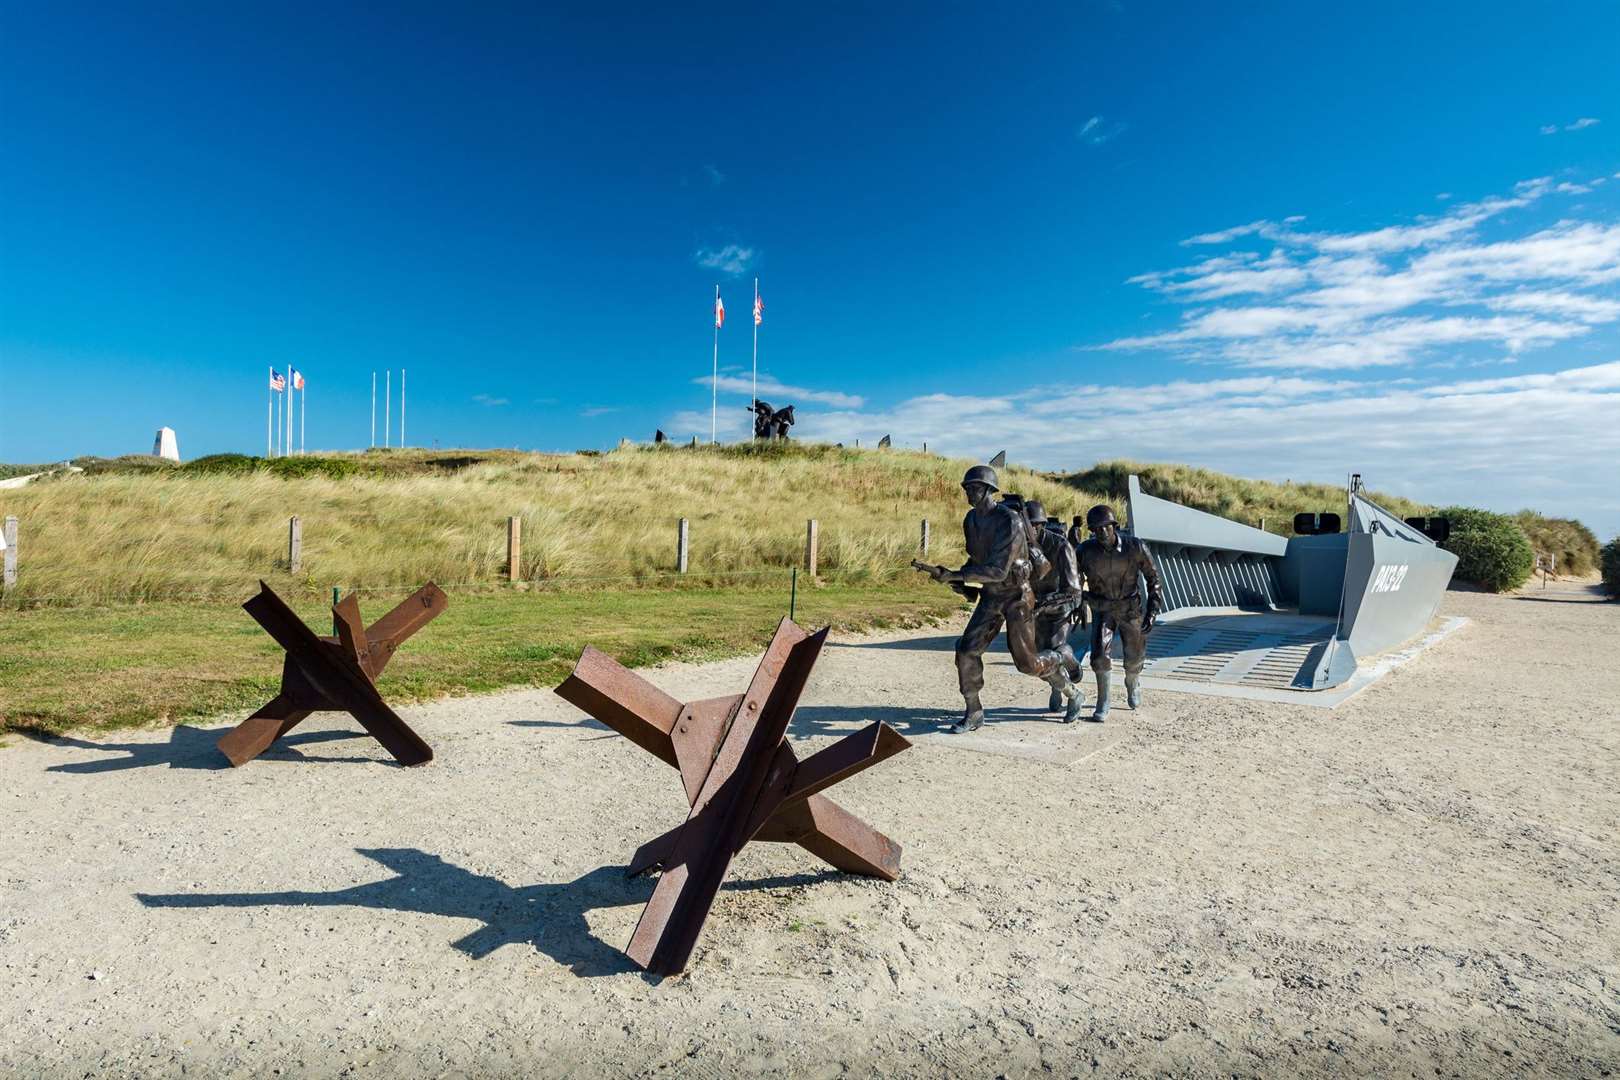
(1033, 740)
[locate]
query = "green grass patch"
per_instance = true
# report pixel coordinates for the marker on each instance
(99, 668)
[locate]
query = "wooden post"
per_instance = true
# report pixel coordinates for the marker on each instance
(811, 535)
(683, 534)
(514, 548)
(925, 536)
(295, 545)
(11, 551)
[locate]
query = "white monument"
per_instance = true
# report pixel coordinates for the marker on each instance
(165, 446)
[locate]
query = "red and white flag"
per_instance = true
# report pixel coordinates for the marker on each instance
(719, 312)
(298, 379)
(759, 310)
(278, 382)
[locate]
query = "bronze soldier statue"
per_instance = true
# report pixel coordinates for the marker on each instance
(1057, 596)
(999, 565)
(762, 419)
(1110, 562)
(781, 420)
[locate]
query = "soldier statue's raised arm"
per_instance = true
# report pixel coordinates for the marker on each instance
(1057, 596)
(999, 565)
(1110, 562)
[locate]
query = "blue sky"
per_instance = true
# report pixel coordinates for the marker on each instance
(1284, 240)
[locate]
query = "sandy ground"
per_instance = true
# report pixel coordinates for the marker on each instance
(1423, 881)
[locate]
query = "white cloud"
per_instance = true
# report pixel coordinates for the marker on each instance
(783, 394)
(1391, 295)
(732, 259)
(1097, 131)
(714, 175)
(491, 402)
(1504, 442)
(1576, 125)
(600, 410)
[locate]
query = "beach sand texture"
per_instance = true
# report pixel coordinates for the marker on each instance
(1425, 880)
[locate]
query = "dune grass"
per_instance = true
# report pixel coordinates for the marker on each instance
(401, 519)
(1572, 545)
(1248, 501)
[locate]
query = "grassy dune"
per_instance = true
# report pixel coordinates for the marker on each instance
(401, 519)
(139, 532)
(1573, 546)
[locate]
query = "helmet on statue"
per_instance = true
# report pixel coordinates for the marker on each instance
(981, 474)
(1098, 516)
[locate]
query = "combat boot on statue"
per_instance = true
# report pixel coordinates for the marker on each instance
(1133, 690)
(972, 717)
(1100, 713)
(1066, 691)
(1054, 700)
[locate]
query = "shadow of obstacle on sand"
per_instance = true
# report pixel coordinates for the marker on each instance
(916, 644)
(189, 748)
(549, 917)
(813, 720)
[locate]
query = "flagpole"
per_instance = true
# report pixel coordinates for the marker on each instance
(374, 409)
(303, 416)
(402, 408)
(269, 420)
(715, 379)
(281, 396)
(756, 343)
(388, 401)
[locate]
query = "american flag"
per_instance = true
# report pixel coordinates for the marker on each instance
(278, 382)
(298, 379)
(759, 310)
(719, 312)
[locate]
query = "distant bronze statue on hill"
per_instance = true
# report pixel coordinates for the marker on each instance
(770, 424)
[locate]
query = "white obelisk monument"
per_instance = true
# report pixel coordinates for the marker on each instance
(165, 445)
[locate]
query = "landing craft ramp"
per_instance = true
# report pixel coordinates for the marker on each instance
(1260, 615)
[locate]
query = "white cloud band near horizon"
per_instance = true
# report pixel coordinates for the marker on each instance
(1545, 441)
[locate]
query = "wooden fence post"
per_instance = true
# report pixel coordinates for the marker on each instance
(925, 536)
(295, 545)
(683, 534)
(514, 548)
(811, 535)
(11, 551)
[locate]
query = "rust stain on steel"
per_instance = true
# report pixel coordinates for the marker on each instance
(338, 674)
(743, 782)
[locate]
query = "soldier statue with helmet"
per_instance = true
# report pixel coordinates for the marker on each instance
(1111, 562)
(997, 574)
(1058, 596)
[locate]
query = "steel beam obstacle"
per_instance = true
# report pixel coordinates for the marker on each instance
(337, 674)
(743, 782)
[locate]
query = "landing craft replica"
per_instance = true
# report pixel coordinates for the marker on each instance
(1245, 606)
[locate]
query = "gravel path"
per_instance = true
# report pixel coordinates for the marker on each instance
(1423, 881)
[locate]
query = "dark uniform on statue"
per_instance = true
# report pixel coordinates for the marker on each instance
(999, 564)
(1057, 595)
(1110, 563)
